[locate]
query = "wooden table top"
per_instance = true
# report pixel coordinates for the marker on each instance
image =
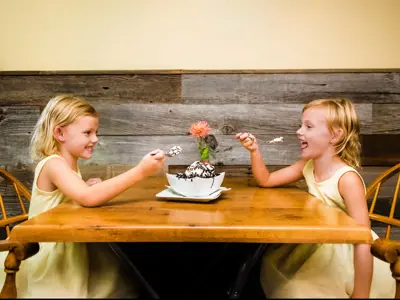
(243, 214)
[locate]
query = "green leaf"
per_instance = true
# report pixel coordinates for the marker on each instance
(205, 154)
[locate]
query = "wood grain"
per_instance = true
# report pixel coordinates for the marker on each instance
(18, 120)
(290, 88)
(176, 119)
(377, 150)
(386, 119)
(244, 214)
(37, 90)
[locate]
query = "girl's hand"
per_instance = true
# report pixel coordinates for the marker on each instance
(248, 141)
(152, 163)
(93, 181)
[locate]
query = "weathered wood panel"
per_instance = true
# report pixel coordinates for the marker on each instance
(382, 87)
(290, 88)
(14, 150)
(18, 120)
(164, 119)
(130, 149)
(386, 119)
(175, 119)
(37, 90)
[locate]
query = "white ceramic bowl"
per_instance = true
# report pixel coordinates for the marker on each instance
(195, 187)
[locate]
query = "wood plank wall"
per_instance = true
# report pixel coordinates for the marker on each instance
(141, 111)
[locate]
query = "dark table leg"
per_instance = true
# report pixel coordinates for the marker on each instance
(244, 271)
(149, 292)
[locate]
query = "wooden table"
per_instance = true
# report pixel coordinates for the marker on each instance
(243, 214)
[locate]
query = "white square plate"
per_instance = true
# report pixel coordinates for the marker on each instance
(170, 194)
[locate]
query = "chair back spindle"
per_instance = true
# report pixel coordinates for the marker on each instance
(374, 190)
(20, 191)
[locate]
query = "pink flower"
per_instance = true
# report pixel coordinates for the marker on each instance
(200, 128)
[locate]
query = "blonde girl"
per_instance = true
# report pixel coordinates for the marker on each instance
(330, 151)
(65, 132)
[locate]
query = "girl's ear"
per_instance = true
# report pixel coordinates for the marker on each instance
(58, 134)
(337, 135)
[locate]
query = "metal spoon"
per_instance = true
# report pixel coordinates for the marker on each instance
(278, 140)
(175, 150)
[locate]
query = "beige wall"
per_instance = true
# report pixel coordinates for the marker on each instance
(198, 34)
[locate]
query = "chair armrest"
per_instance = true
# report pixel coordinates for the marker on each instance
(386, 250)
(17, 253)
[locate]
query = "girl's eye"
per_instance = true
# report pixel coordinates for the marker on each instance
(87, 132)
(309, 126)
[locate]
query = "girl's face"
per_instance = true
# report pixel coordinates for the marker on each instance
(80, 137)
(314, 135)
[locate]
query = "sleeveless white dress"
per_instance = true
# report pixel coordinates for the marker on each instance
(69, 270)
(320, 270)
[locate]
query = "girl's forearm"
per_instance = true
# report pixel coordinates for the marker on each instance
(260, 171)
(363, 269)
(99, 194)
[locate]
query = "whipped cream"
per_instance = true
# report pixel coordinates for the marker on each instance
(198, 169)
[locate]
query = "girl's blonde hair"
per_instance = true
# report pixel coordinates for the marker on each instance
(342, 115)
(61, 110)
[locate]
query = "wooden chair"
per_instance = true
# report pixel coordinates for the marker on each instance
(384, 248)
(17, 251)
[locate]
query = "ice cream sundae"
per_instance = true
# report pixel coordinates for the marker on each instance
(199, 179)
(198, 169)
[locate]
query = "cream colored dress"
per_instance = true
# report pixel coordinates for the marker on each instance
(69, 270)
(319, 270)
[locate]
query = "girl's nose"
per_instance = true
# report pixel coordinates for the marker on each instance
(95, 139)
(298, 132)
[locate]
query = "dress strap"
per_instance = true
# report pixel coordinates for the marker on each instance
(339, 173)
(42, 163)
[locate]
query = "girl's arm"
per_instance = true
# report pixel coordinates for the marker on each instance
(261, 173)
(352, 190)
(69, 183)
(265, 178)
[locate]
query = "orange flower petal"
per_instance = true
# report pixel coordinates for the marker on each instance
(200, 128)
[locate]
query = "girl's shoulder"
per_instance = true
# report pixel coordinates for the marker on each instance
(346, 169)
(350, 175)
(43, 162)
